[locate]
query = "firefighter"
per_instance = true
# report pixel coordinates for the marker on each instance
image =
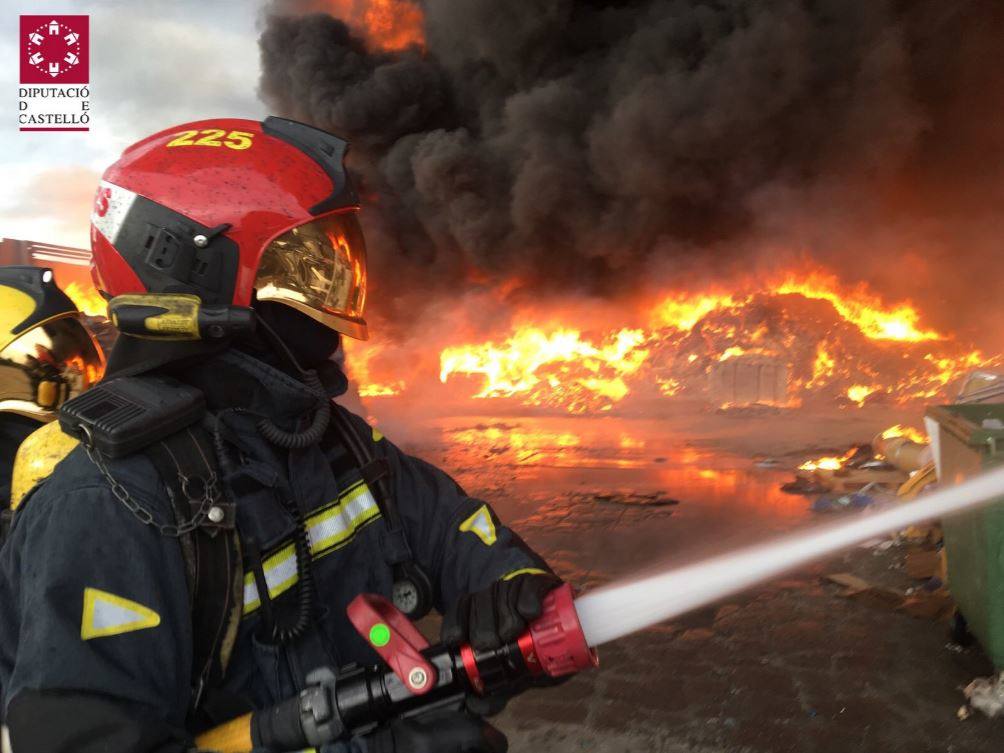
(193, 558)
(46, 356)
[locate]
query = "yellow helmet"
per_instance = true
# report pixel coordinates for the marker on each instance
(47, 354)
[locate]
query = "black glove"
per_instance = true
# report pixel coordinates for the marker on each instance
(445, 732)
(498, 614)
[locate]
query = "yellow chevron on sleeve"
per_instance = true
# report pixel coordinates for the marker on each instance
(106, 614)
(481, 525)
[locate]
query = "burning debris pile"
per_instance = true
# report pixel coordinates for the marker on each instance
(860, 454)
(626, 153)
(834, 344)
(552, 369)
(867, 472)
(802, 337)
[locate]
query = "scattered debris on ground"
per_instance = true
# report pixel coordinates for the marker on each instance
(930, 600)
(924, 564)
(864, 473)
(866, 497)
(986, 695)
(858, 588)
(635, 499)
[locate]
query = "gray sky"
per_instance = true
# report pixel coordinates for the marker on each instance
(154, 63)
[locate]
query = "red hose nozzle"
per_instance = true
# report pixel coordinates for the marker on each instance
(555, 643)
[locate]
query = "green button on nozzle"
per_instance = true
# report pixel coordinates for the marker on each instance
(379, 635)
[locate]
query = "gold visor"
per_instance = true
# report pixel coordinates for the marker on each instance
(46, 366)
(320, 270)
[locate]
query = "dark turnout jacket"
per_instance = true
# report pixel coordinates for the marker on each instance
(95, 625)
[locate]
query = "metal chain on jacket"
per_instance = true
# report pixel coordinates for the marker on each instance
(210, 492)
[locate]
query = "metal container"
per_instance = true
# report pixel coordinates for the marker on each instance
(966, 440)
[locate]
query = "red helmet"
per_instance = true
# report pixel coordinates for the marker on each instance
(232, 210)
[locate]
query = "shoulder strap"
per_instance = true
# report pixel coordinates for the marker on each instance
(412, 591)
(187, 465)
(375, 472)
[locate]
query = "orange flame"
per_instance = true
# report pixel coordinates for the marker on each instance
(858, 393)
(831, 463)
(385, 24)
(380, 390)
(359, 363)
(668, 386)
(559, 367)
(904, 431)
(689, 333)
(862, 309)
(859, 307)
(87, 299)
(823, 367)
(683, 312)
(90, 373)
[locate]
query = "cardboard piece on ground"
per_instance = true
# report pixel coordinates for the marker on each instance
(859, 588)
(935, 605)
(883, 597)
(852, 583)
(924, 533)
(923, 564)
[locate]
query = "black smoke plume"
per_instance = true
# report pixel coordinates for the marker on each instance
(610, 146)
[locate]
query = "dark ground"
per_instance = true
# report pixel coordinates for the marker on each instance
(791, 666)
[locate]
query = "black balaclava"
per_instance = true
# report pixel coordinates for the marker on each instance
(312, 343)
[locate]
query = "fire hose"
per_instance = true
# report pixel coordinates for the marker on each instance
(416, 678)
(419, 678)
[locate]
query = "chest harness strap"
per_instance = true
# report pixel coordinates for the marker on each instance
(187, 466)
(412, 590)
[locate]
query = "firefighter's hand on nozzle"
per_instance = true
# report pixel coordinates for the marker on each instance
(498, 614)
(446, 732)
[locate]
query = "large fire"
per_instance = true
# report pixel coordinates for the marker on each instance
(558, 368)
(805, 336)
(804, 332)
(858, 306)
